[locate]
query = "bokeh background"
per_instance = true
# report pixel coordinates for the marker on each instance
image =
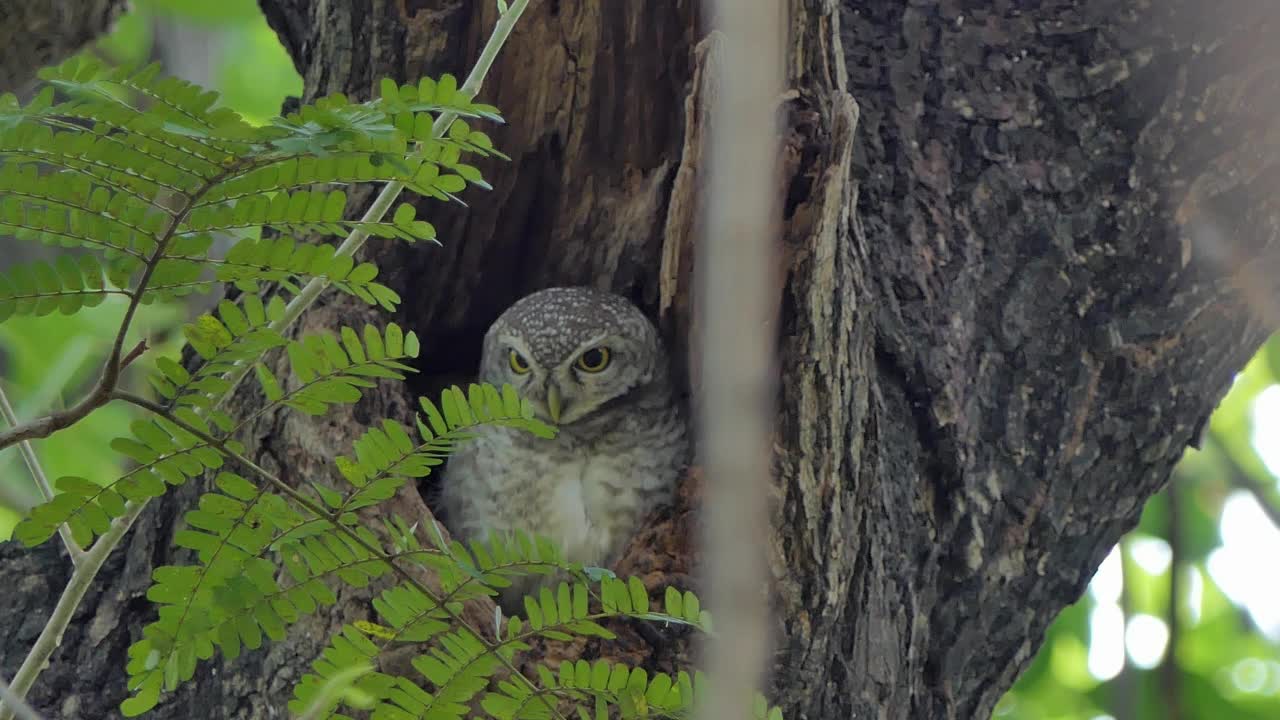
(1182, 621)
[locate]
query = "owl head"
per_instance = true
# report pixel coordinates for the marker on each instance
(572, 351)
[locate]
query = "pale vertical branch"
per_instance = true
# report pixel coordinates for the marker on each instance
(735, 344)
(37, 475)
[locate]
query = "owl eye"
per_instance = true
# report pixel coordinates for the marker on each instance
(519, 365)
(594, 360)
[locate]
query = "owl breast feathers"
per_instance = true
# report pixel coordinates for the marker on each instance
(591, 363)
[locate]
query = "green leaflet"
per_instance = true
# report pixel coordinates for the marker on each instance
(165, 454)
(386, 456)
(326, 373)
(284, 261)
(459, 666)
(65, 286)
(232, 599)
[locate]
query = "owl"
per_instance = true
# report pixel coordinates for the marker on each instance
(593, 365)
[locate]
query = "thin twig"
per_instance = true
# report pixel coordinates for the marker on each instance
(50, 424)
(134, 354)
(735, 343)
(42, 481)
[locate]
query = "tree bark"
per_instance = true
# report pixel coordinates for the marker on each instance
(35, 33)
(1025, 250)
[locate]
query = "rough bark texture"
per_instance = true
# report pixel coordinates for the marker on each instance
(35, 33)
(1026, 248)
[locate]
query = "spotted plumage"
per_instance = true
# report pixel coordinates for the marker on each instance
(590, 362)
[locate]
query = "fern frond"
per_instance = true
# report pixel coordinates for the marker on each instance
(458, 667)
(241, 332)
(283, 261)
(70, 284)
(328, 371)
(99, 104)
(180, 160)
(180, 104)
(66, 286)
(301, 171)
(214, 605)
(348, 648)
(460, 664)
(459, 661)
(231, 600)
(333, 125)
(101, 159)
(72, 207)
(297, 172)
(325, 371)
(311, 219)
(228, 537)
(285, 208)
(597, 686)
(386, 457)
(430, 95)
(593, 688)
(483, 568)
(411, 616)
(165, 453)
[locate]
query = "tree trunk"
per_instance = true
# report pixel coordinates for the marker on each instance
(35, 33)
(1026, 248)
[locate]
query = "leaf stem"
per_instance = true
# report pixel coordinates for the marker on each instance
(42, 481)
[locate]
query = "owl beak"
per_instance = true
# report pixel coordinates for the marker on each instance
(553, 402)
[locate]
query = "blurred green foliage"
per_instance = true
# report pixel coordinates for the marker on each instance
(1223, 665)
(48, 363)
(249, 68)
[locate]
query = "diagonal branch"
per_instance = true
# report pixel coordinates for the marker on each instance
(20, 706)
(50, 424)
